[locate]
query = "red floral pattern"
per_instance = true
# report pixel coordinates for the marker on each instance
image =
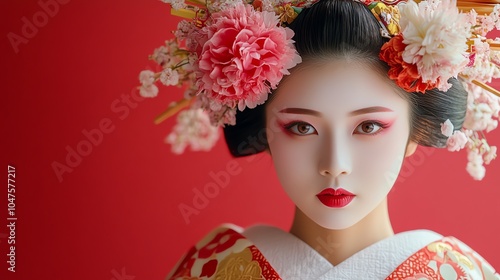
(226, 254)
(245, 261)
(443, 259)
(221, 242)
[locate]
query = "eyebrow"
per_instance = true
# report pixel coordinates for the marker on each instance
(301, 111)
(370, 110)
(367, 110)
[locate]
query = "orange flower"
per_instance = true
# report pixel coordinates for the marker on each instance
(405, 75)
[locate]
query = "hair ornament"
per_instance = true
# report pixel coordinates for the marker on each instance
(387, 15)
(230, 55)
(456, 138)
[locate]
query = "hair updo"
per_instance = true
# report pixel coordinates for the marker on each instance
(340, 29)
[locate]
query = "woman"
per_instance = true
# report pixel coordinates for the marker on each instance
(337, 129)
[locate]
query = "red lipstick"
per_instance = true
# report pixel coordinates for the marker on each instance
(335, 198)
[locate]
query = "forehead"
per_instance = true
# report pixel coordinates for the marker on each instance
(336, 85)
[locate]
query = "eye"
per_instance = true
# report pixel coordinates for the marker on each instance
(300, 128)
(369, 127)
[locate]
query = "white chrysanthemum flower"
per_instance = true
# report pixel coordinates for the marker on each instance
(436, 37)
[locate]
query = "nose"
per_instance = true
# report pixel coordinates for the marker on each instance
(335, 157)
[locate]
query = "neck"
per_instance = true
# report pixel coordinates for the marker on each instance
(338, 245)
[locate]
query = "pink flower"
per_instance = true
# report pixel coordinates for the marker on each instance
(169, 77)
(219, 115)
(477, 171)
(487, 24)
(147, 78)
(223, 116)
(457, 141)
(492, 125)
(474, 157)
(245, 57)
(475, 166)
(190, 93)
(160, 55)
(471, 17)
(149, 91)
(192, 59)
(495, 15)
(447, 128)
(176, 4)
(478, 116)
(193, 129)
(185, 27)
(490, 155)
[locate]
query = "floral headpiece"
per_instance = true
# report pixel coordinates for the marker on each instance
(230, 55)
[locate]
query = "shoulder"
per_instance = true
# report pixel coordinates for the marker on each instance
(477, 265)
(222, 253)
(446, 258)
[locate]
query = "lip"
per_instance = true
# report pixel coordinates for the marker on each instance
(335, 198)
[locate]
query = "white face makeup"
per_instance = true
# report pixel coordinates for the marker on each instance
(337, 125)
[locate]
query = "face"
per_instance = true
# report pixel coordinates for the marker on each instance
(334, 126)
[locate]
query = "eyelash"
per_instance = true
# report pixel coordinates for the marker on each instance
(290, 125)
(377, 123)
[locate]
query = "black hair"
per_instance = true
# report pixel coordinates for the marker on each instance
(347, 29)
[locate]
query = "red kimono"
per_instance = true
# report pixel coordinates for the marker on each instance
(229, 253)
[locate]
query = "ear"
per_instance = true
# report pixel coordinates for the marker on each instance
(411, 147)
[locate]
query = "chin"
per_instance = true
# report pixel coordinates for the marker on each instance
(337, 226)
(336, 223)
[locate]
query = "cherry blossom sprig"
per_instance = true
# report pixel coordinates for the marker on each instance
(482, 116)
(229, 55)
(193, 129)
(479, 154)
(482, 24)
(178, 68)
(483, 103)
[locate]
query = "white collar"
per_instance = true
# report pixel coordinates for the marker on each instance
(294, 259)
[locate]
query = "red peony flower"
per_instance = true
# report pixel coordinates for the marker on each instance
(245, 56)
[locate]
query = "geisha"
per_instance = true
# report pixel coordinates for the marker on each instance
(338, 93)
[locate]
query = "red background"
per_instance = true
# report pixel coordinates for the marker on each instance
(117, 213)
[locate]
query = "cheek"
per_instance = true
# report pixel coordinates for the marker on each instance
(292, 159)
(381, 161)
